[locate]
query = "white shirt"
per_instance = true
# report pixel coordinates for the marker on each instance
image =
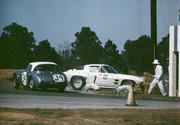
(159, 72)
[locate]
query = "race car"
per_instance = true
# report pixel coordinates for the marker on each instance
(40, 74)
(105, 76)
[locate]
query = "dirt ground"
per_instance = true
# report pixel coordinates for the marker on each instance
(10, 116)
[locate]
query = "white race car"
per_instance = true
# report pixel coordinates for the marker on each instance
(102, 75)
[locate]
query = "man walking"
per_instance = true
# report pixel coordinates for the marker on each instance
(158, 78)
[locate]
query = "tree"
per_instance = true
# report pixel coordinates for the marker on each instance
(16, 45)
(138, 54)
(44, 52)
(163, 52)
(87, 47)
(67, 60)
(113, 58)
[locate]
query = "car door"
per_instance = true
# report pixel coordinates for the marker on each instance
(102, 79)
(112, 79)
(92, 74)
(97, 77)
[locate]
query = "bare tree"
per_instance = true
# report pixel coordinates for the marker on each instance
(65, 50)
(65, 53)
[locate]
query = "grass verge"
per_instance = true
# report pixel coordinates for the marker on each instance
(89, 116)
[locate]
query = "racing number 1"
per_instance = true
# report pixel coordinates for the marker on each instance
(95, 78)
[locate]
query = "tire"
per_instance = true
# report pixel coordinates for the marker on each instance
(31, 84)
(127, 82)
(16, 84)
(78, 83)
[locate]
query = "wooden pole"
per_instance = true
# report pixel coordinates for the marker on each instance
(154, 28)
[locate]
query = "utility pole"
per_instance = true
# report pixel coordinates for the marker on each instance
(179, 15)
(154, 28)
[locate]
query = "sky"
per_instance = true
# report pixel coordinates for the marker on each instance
(117, 20)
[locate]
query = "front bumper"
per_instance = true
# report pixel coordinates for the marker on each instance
(53, 84)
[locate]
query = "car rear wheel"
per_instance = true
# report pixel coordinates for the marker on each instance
(78, 83)
(16, 84)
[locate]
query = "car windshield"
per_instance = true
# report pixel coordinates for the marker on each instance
(29, 67)
(46, 67)
(80, 68)
(108, 69)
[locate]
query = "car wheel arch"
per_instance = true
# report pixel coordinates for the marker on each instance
(78, 76)
(125, 81)
(35, 79)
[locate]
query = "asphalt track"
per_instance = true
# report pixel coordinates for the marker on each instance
(52, 99)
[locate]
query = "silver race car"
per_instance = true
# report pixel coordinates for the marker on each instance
(40, 74)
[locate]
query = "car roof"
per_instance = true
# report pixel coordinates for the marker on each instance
(96, 65)
(39, 63)
(34, 64)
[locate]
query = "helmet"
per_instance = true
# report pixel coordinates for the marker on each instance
(156, 62)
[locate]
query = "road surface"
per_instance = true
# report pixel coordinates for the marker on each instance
(52, 99)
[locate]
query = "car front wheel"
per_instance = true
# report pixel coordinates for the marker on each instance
(16, 84)
(127, 82)
(31, 85)
(77, 83)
